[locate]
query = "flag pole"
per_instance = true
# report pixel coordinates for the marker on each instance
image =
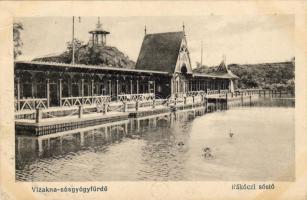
(201, 56)
(73, 38)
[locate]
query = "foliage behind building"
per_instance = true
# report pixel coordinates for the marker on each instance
(265, 75)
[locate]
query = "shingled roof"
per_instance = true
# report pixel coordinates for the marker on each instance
(223, 72)
(159, 52)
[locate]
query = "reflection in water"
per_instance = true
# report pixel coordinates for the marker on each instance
(167, 147)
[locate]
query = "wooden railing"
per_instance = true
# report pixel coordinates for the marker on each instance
(195, 93)
(180, 95)
(136, 97)
(30, 104)
(87, 100)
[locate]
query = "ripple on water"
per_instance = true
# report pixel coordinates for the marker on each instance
(262, 148)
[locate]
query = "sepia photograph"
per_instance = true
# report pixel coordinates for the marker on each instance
(157, 100)
(193, 98)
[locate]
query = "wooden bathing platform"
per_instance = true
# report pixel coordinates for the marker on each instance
(53, 120)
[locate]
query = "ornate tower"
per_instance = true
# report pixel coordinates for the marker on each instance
(99, 36)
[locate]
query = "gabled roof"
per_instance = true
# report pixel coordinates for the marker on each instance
(159, 52)
(223, 72)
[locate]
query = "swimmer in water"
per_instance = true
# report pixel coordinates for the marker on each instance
(180, 143)
(230, 133)
(207, 152)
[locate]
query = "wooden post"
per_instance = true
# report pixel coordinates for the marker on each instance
(154, 122)
(131, 91)
(82, 88)
(80, 111)
(92, 88)
(279, 93)
(39, 115)
(81, 138)
(126, 128)
(153, 103)
(242, 99)
(110, 87)
(33, 88)
(137, 105)
(250, 100)
(40, 145)
(105, 108)
(137, 86)
(193, 100)
(48, 92)
(117, 88)
(184, 100)
(137, 124)
(18, 94)
(154, 88)
(125, 106)
(226, 101)
(60, 91)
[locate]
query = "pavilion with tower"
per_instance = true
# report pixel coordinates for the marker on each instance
(99, 36)
(163, 70)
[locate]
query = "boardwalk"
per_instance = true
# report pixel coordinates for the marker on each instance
(53, 120)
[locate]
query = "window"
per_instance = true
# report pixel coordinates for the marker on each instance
(27, 90)
(86, 90)
(75, 90)
(41, 90)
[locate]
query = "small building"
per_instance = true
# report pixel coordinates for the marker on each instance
(163, 70)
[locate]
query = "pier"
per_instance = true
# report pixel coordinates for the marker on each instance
(53, 120)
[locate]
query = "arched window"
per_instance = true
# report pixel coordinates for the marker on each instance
(184, 69)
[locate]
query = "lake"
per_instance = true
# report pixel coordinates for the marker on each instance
(168, 147)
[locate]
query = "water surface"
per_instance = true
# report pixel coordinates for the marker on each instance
(262, 148)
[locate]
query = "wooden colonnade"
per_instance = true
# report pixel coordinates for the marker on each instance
(52, 88)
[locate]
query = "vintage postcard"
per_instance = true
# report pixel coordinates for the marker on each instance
(153, 100)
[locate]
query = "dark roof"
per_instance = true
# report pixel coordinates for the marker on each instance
(159, 52)
(223, 71)
(64, 66)
(99, 31)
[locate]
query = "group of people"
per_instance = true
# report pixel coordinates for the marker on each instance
(206, 150)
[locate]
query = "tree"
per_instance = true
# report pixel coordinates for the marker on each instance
(17, 28)
(78, 45)
(91, 55)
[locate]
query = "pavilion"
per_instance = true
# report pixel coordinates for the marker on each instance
(163, 70)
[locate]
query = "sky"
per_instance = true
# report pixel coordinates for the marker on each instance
(241, 38)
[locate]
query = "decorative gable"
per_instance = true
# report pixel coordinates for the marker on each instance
(183, 64)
